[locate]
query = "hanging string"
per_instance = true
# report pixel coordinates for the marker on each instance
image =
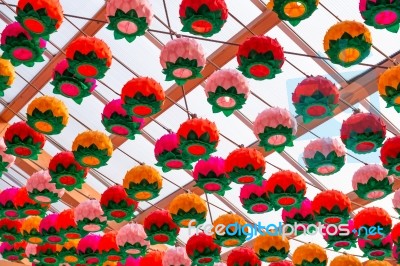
(186, 102)
(167, 16)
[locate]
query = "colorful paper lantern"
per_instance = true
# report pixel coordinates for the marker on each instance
(337, 240)
(70, 86)
(347, 260)
(372, 217)
(7, 75)
(245, 165)
(376, 250)
(302, 216)
(89, 216)
(128, 19)
(41, 189)
(68, 252)
(390, 155)
(40, 18)
(286, 189)
(204, 18)
(389, 87)
(19, 47)
(227, 90)
(88, 57)
(275, 128)
(372, 182)
(347, 43)
(260, 57)
(6, 160)
(282, 263)
(396, 201)
(13, 252)
(132, 240)
(198, 138)
(396, 253)
(48, 229)
(182, 59)
(143, 182)
(377, 263)
(142, 97)
(202, 250)
(26, 206)
(30, 252)
(168, 155)
(66, 172)
(243, 256)
(176, 256)
(7, 205)
(187, 207)
(109, 249)
(67, 227)
(161, 228)
(293, 11)
(92, 149)
(116, 120)
(363, 132)
(395, 234)
(116, 204)
(235, 236)
(10, 230)
(30, 230)
(23, 142)
(88, 249)
(153, 258)
(310, 255)
(254, 198)
(270, 248)
(324, 156)
(381, 14)
(331, 207)
(210, 176)
(315, 98)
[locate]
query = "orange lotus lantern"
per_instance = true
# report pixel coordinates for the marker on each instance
(235, 237)
(271, 248)
(310, 255)
(187, 207)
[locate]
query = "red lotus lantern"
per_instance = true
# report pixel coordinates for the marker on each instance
(116, 120)
(22, 141)
(202, 250)
(10, 230)
(108, 248)
(378, 250)
(168, 155)
(374, 217)
(210, 176)
(243, 256)
(88, 57)
(205, 17)
(260, 57)
(26, 206)
(363, 132)
(47, 254)
(254, 198)
(153, 258)
(142, 97)
(117, 205)
(245, 165)
(13, 252)
(395, 234)
(7, 207)
(160, 228)
(338, 240)
(66, 225)
(198, 138)
(390, 155)
(89, 216)
(88, 249)
(66, 172)
(19, 47)
(48, 229)
(331, 207)
(303, 217)
(40, 18)
(315, 98)
(68, 85)
(286, 189)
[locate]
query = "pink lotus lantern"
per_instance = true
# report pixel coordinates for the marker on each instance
(372, 182)
(376, 250)
(210, 175)
(302, 216)
(176, 256)
(128, 18)
(89, 216)
(30, 252)
(396, 201)
(88, 249)
(131, 239)
(254, 198)
(182, 59)
(48, 229)
(41, 190)
(227, 91)
(7, 208)
(276, 128)
(117, 121)
(324, 156)
(6, 160)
